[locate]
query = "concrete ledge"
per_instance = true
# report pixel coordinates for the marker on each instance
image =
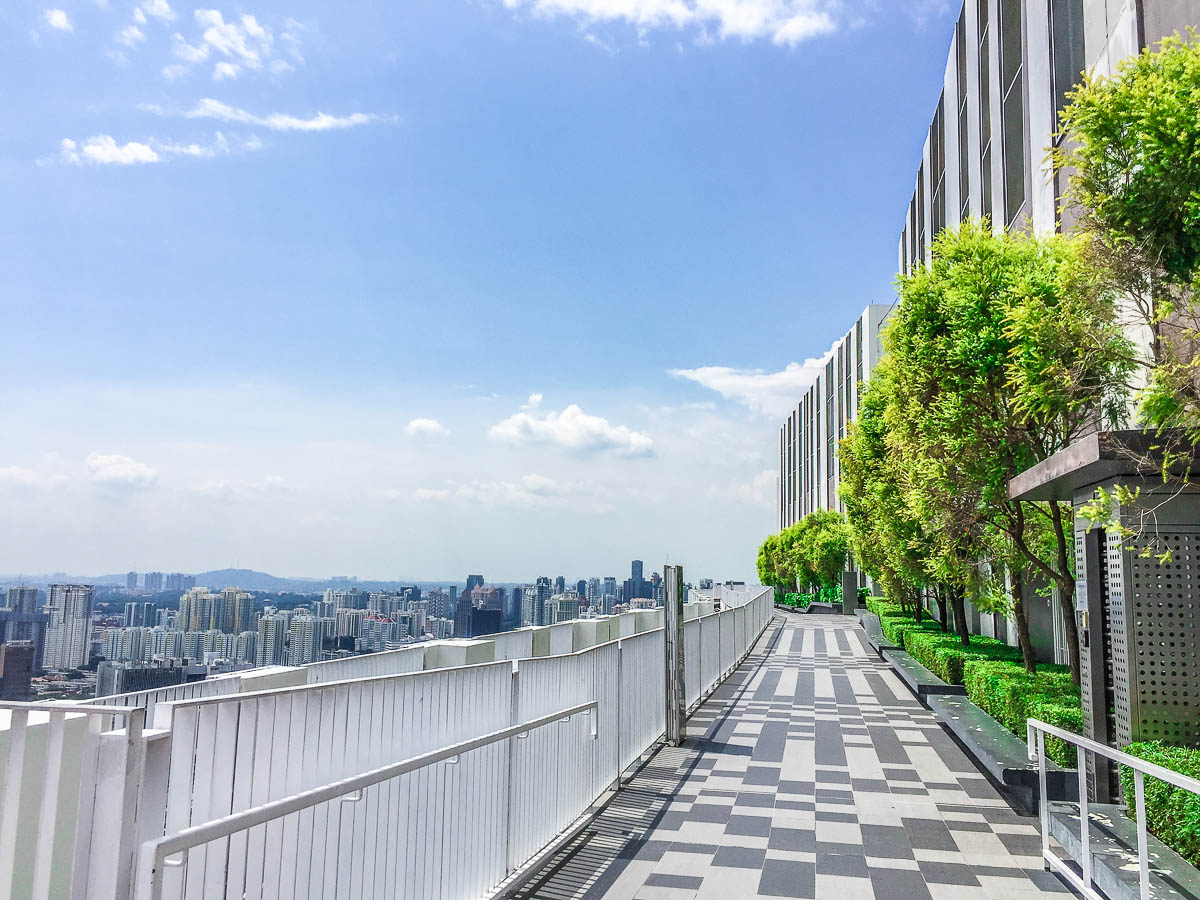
(1000, 753)
(919, 679)
(1113, 843)
(875, 636)
(821, 608)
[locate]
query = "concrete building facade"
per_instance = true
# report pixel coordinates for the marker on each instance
(808, 464)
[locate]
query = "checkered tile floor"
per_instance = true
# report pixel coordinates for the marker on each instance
(812, 772)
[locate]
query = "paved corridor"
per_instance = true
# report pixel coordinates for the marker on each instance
(812, 772)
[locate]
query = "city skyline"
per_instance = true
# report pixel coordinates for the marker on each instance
(372, 326)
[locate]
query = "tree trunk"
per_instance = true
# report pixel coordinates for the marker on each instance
(939, 594)
(918, 607)
(1066, 594)
(958, 602)
(1022, 622)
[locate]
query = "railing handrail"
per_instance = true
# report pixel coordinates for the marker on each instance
(52, 706)
(1152, 769)
(155, 852)
(1036, 731)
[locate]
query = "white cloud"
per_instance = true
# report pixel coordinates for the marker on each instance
(571, 429)
(160, 9)
(16, 476)
(224, 70)
(104, 150)
(174, 72)
(530, 491)
(58, 20)
(244, 40)
(116, 471)
(187, 52)
(761, 490)
(426, 428)
(209, 108)
(279, 66)
(784, 22)
(534, 401)
(770, 393)
(130, 36)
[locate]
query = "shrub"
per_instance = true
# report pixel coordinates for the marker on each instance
(1065, 713)
(895, 627)
(1172, 813)
(945, 655)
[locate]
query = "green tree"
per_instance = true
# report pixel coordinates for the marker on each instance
(1001, 352)
(821, 549)
(1132, 154)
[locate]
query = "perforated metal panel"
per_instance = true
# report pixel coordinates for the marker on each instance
(1163, 631)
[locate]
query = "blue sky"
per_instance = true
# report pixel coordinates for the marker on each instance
(406, 289)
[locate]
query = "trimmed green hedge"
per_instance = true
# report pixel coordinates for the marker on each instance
(1010, 695)
(994, 676)
(1172, 813)
(945, 656)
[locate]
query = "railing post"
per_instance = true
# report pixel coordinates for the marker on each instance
(673, 630)
(1085, 853)
(1043, 800)
(1139, 799)
(509, 867)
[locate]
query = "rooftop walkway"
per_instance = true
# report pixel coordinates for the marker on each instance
(811, 772)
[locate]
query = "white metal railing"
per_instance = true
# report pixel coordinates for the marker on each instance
(1036, 732)
(209, 687)
(385, 662)
(233, 875)
(69, 800)
(450, 831)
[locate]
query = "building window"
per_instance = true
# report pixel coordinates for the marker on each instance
(912, 233)
(921, 236)
(1012, 108)
(937, 168)
(1066, 50)
(985, 108)
(858, 351)
(964, 170)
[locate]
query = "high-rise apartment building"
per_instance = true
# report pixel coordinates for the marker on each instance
(22, 599)
(808, 440)
(153, 581)
(304, 640)
(540, 598)
(69, 629)
(131, 581)
(271, 641)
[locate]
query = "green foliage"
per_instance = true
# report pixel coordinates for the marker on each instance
(1134, 150)
(1172, 813)
(1133, 155)
(945, 656)
(1009, 694)
(896, 628)
(811, 555)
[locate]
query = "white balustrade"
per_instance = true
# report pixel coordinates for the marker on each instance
(1036, 731)
(335, 787)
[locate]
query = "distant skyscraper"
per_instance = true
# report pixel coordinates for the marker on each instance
(69, 631)
(304, 640)
(153, 581)
(636, 567)
(560, 584)
(474, 581)
(272, 638)
(541, 598)
(581, 587)
(132, 615)
(610, 586)
(131, 581)
(23, 599)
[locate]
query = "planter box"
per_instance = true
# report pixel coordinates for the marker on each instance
(875, 637)
(919, 679)
(1002, 754)
(1113, 842)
